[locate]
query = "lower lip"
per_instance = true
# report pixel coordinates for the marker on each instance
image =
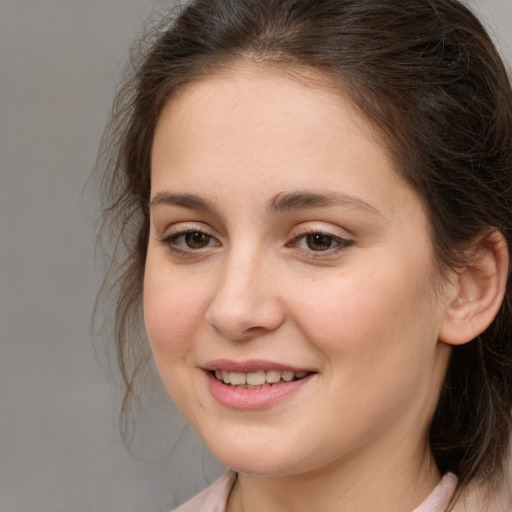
(260, 398)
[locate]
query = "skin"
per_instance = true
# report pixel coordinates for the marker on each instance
(365, 315)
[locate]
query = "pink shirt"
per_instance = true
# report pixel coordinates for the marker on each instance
(214, 498)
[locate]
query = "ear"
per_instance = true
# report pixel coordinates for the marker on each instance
(478, 291)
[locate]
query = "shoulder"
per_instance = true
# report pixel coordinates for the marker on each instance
(475, 498)
(213, 498)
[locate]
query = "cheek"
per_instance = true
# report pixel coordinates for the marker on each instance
(373, 323)
(172, 313)
(168, 318)
(378, 344)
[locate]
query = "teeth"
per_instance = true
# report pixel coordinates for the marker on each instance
(273, 376)
(287, 376)
(237, 378)
(257, 379)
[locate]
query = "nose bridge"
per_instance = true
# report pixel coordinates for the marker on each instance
(245, 301)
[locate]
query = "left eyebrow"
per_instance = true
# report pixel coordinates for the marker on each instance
(294, 201)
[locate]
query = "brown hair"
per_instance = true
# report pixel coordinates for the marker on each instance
(427, 75)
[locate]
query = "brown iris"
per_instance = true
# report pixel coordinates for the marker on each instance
(319, 241)
(197, 240)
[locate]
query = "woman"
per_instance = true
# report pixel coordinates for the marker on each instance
(315, 202)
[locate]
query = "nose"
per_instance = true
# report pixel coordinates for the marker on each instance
(246, 302)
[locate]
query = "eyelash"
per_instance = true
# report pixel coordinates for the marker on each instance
(171, 241)
(336, 244)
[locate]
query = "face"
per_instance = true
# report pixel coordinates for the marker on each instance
(289, 285)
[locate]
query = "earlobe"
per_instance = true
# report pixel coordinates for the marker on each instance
(479, 290)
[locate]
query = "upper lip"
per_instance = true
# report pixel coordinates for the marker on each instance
(253, 365)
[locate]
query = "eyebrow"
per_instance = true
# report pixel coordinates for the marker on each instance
(280, 203)
(294, 201)
(190, 201)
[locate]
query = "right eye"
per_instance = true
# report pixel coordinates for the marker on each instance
(192, 240)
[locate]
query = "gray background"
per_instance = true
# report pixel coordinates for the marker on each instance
(60, 450)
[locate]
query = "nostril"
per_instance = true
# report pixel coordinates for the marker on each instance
(239, 332)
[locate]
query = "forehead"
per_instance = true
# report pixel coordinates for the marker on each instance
(288, 127)
(259, 85)
(254, 99)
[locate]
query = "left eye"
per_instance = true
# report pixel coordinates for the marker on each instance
(319, 242)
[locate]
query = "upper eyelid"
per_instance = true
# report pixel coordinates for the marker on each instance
(334, 231)
(177, 234)
(178, 228)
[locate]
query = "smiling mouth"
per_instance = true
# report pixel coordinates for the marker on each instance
(259, 379)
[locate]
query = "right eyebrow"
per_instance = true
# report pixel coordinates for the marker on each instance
(190, 201)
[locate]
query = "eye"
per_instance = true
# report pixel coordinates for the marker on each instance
(190, 241)
(320, 242)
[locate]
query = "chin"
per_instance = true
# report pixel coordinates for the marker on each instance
(268, 466)
(260, 458)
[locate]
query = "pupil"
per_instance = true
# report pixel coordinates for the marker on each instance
(319, 242)
(197, 239)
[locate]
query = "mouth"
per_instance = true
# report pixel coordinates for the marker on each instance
(258, 379)
(255, 384)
